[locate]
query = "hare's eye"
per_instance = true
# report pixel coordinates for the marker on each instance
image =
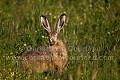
(56, 35)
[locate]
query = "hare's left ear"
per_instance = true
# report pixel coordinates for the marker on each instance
(60, 23)
(46, 24)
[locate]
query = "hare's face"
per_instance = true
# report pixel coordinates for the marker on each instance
(53, 38)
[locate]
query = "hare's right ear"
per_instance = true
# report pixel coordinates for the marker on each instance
(46, 24)
(60, 23)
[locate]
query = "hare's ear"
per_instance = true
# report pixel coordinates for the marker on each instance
(60, 23)
(46, 24)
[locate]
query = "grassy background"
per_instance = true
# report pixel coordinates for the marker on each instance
(94, 24)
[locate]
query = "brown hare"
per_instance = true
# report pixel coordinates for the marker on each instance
(51, 57)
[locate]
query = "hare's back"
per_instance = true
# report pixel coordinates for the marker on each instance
(37, 60)
(37, 54)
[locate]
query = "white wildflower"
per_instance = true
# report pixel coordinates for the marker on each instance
(24, 44)
(43, 36)
(108, 32)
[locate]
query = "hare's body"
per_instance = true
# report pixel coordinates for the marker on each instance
(52, 57)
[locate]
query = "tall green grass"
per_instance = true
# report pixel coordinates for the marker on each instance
(92, 29)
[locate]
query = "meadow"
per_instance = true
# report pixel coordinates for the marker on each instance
(91, 35)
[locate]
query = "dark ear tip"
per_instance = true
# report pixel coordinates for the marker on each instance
(63, 14)
(43, 16)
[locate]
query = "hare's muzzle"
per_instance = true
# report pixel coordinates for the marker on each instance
(52, 42)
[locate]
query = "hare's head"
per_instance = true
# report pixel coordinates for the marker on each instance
(53, 34)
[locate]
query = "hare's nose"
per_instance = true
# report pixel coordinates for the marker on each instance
(52, 42)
